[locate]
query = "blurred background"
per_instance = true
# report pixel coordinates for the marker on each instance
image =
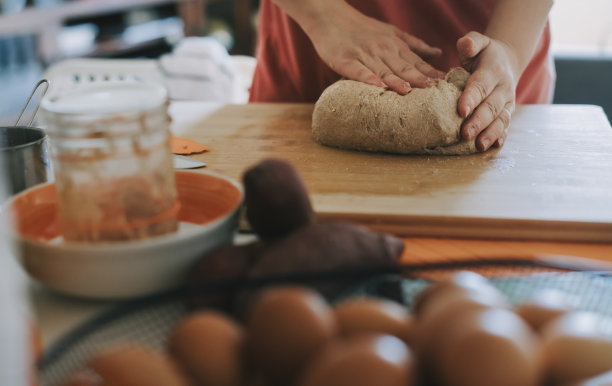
(36, 34)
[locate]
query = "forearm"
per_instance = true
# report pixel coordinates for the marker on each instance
(308, 13)
(518, 24)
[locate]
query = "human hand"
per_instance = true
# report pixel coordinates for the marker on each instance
(367, 50)
(489, 96)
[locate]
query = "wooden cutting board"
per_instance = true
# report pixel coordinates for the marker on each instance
(552, 180)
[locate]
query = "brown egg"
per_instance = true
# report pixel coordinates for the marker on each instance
(544, 306)
(368, 314)
(442, 311)
(576, 347)
(85, 378)
(362, 360)
(488, 347)
(136, 366)
(209, 346)
(461, 282)
(287, 326)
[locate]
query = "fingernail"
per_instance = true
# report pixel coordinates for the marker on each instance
(500, 141)
(430, 82)
(406, 88)
(485, 143)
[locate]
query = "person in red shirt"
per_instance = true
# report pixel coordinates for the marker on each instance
(306, 45)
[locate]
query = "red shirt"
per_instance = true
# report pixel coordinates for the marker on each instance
(290, 70)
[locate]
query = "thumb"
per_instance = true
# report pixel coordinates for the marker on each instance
(472, 44)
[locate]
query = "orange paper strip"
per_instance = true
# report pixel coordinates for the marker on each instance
(186, 146)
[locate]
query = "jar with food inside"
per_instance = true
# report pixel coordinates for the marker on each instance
(112, 163)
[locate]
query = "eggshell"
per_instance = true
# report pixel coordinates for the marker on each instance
(368, 314)
(488, 347)
(362, 360)
(287, 326)
(209, 346)
(576, 347)
(544, 306)
(134, 366)
(85, 377)
(441, 312)
(461, 282)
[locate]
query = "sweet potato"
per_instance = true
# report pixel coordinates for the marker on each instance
(279, 210)
(276, 199)
(226, 263)
(321, 248)
(326, 246)
(310, 249)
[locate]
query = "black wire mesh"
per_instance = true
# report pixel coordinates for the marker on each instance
(148, 321)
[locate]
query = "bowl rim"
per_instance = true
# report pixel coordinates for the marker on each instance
(196, 231)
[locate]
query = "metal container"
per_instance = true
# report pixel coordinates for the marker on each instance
(24, 157)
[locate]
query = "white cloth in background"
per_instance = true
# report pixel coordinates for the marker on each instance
(200, 68)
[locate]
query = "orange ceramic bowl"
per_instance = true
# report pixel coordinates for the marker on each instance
(208, 219)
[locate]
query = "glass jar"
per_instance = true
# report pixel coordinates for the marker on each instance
(112, 161)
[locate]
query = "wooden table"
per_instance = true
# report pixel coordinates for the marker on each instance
(199, 120)
(541, 139)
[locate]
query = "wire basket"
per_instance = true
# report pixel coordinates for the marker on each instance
(149, 320)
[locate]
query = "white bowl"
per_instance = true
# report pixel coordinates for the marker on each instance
(208, 219)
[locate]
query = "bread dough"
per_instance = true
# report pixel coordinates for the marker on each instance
(354, 115)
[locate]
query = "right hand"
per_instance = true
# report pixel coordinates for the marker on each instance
(367, 50)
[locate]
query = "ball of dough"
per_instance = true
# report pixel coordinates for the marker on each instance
(358, 116)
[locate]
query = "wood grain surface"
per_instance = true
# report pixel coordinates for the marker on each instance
(552, 180)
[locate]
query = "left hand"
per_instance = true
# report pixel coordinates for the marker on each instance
(489, 96)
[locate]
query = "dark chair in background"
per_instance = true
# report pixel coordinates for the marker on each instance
(584, 80)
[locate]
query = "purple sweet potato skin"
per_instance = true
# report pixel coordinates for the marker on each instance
(320, 248)
(276, 199)
(327, 246)
(226, 263)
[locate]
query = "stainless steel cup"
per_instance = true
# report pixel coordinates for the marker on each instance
(24, 157)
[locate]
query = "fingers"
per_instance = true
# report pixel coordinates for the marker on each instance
(400, 75)
(472, 44)
(419, 46)
(377, 73)
(384, 72)
(487, 101)
(495, 133)
(401, 70)
(355, 70)
(477, 88)
(417, 74)
(490, 120)
(486, 112)
(500, 141)
(389, 62)
(428, 70)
